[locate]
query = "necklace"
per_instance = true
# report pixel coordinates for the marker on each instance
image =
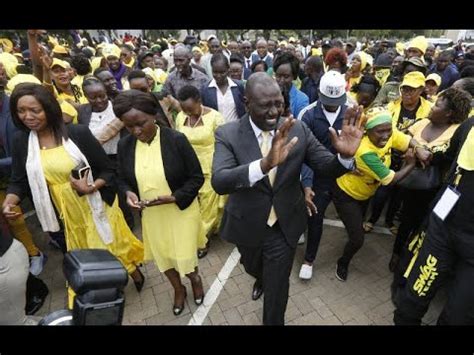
(198, 120)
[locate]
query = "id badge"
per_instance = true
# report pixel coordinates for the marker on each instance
(446, 203)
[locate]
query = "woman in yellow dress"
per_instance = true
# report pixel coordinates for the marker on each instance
(88, 208)
(199, 123)
(161, 175)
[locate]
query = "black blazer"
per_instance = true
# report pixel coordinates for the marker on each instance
(182, 168)
(245, 214)
(102, 167)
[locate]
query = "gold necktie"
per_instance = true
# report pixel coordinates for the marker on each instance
(265, 148)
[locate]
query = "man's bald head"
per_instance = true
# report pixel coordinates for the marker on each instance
(257, 80)
(182, 51)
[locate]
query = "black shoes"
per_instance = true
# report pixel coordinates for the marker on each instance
(341, 271)
(139, 284)
(178, 309)
(257, 290)
(198, 291)
(202, 253)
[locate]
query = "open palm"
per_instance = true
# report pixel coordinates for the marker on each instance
(348, 141)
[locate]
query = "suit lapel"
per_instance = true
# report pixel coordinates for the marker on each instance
(250, 146)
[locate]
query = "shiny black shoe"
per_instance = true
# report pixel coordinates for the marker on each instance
(139, 284)
(177, 310)
(257, 290)
(198, 299)
(202, 253)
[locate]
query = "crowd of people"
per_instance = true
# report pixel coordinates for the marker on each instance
(250, 141)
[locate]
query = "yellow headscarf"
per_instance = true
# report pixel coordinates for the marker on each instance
(19, 79)
(110, 50)
(10, 63)
(197, 49)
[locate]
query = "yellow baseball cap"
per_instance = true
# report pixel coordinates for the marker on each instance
(60, 49)
(414, 79)
(6, 44)
(435, 77)
(419, 42)
(292, 40)
(58, 62)
(111, 50)
(19, 79)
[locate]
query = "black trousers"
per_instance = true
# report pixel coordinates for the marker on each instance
(416, 204)
(322, 198)
(271, 264)
(443, 251)
(384, 194)
(351, 212)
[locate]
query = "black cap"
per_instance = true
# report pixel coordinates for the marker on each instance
(326, 43)
(384, 60)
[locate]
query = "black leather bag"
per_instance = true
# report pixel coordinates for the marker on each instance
(422, 179)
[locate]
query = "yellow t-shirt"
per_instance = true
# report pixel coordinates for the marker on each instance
(373, 165)
(81, 99)
(69, 110)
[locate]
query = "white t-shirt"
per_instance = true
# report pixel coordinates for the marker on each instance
(331, 116)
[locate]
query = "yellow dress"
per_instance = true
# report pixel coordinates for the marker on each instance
(171, 236)
(202, 139)
(76, 214)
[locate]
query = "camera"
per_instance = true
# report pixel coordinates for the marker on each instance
(98, 279)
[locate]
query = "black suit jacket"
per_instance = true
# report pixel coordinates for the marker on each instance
(245, 216)
(101, 166)
(182, 168)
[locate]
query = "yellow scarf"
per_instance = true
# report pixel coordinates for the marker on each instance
(381, 75)
(466, 155)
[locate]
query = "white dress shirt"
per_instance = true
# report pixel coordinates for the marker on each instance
(255, 170)
(225, 102)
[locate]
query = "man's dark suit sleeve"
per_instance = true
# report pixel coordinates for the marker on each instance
(227, 175)
(321, 160)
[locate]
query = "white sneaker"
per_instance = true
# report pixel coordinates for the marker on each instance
(301, 240)
(37, 263)
(306, 272)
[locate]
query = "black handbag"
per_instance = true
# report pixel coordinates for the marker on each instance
(422, 179)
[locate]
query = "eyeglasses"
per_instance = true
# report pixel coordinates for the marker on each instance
(408, 90)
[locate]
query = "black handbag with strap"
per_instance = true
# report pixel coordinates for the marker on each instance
(422, 179)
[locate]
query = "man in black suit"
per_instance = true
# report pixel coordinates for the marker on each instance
(257, 161)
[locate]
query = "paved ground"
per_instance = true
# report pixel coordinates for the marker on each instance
(363, 300)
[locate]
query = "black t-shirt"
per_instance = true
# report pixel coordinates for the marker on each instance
(6, 239)
(407, 117)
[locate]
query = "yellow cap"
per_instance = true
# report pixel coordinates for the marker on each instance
(284, 43)
(420, 43)
(110, 50)
(435, 77)
(53, 41)
(400, 48)
(6, 44)
(59, 49)
(173, 41)
(63, 64)
(414, 79)
(10, 63)
(292, 40)
(19, 55)
(19, 79)
(130, 44)
(197, 49)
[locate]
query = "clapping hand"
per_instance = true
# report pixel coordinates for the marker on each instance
(280, 146)
(353, 127)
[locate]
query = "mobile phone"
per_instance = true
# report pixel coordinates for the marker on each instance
(79, 173)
